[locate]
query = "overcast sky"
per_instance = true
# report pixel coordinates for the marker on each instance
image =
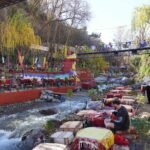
(107, 15)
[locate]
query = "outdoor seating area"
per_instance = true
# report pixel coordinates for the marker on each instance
(90, 132)
(26, 80)
(74, 75)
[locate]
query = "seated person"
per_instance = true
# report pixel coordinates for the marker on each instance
(121, 120)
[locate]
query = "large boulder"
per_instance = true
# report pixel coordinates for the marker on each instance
(32, 138)
(48, 112)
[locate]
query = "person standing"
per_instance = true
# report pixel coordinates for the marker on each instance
(146, 91)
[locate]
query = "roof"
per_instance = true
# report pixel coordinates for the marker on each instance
(6, 3)
(94, 133)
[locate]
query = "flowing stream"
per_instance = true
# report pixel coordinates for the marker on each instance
(13, 127)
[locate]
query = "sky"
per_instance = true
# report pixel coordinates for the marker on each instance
(107, 15)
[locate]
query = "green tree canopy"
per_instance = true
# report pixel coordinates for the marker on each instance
(96, 63)
(141, 21)
(144, 66)
(141, 16)
(141, 26)
(17, 31)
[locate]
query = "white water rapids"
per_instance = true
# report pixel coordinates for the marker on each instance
(13, 127)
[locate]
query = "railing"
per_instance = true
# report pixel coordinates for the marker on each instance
(119, 48)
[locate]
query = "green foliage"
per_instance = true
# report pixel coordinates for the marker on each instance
(69, 93)
(49, 126)
(144, 69)
(135, 63)
(141, 65)
(142, 126)
(94, 94)
(140, 99)
(86, 49)
(141, 23)
(141, 17)
(17, 31)
(96, 63)
(59, 55)
(91, 92)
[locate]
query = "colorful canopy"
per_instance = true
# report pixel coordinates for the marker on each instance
(100, 135)
(86, 113)
(50, 146)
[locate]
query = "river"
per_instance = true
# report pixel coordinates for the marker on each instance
(13, 127)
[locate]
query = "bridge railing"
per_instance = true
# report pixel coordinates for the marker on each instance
(124, 46)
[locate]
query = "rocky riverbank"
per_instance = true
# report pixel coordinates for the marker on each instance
(21, 107)
(36, 104)
(18, 119)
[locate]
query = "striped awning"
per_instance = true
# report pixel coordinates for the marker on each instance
(6, 3)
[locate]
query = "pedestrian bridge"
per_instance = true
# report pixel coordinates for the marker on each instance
(116, 52)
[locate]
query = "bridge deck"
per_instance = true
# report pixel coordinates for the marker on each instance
(135, 50)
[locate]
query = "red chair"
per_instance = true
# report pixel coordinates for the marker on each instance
(11, 71)
(112, 95)
(62, 81)
(51, 82)
(121, 140)
(25, 82)
(97, 120)
(7, 84)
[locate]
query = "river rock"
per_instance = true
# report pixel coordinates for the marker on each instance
(32, 138)
(145, 115)
(47, 112)
(73, 117)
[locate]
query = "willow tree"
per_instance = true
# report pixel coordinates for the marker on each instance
(141, 65)
(141, 22)
(17, 32)
(144, 69)
(141, 27)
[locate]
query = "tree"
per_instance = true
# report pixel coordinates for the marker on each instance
(56, 22)
(135, 63)
(144, 69)
(96, 63)
(141, 27)
(95, 35)
(72, 13)
(17, 32)
(119, 37)
(141, 22)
